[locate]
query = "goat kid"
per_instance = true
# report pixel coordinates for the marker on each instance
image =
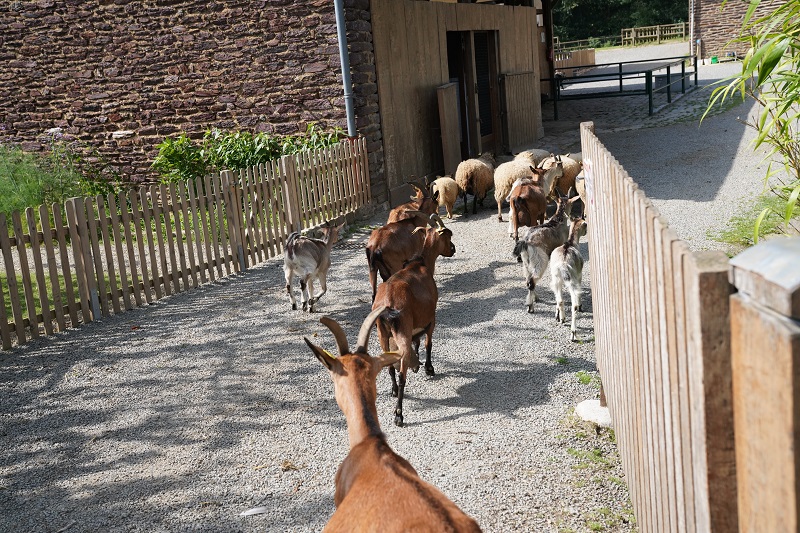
(566, 268)
(309, 259)
(527, 202)
(376, 489)
(410, 296)
(539, 242)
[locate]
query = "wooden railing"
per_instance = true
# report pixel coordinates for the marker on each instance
(105, 255)
(564, 61)
(653, 34)
(663, 351)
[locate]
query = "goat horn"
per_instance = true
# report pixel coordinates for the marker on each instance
(366, 328)
(338, 334)
(436, 218)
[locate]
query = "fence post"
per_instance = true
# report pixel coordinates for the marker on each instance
(765, 342)
(233, 212)
(83, 262)
(290, 187)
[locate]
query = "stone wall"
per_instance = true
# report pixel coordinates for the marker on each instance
(121, 75)
(716, 27)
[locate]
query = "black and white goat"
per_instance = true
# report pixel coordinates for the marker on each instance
(566, 268)
(539, 242)
(309, 259)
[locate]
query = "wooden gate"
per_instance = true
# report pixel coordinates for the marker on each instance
(519, 93)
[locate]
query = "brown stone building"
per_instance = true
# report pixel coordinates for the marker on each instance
(123, 74)
(713, 27)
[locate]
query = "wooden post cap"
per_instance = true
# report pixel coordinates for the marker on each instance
(769, 273)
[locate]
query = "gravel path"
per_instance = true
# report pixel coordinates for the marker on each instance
(181, 415)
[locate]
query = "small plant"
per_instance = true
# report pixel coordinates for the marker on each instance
(179, 160)
(584, 377)
(562, 360)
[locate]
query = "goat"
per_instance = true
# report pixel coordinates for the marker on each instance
(566, 267)
(448, 191)
(476, 177)
(508, 173)
(390, 246)
(421, 202)
(570, 170)
(527, 203)
(410, 296)
(376, 489)
(539, 242)
(309, 259)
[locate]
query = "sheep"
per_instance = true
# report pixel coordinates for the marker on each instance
(448, 191)
(309, 259)
(476, 177)
(377, 489)
(410, 296)
(527, 205)
(580, 187)
(566, 267)
(390, 246)
(534, 155)
(576, 156)
(571, 169)
(422, 202)
(508, 173)
(539, 242)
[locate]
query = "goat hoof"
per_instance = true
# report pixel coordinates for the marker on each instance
(394, 392)
(294, 307)
(429, 370)
(574, 337)
(519, 259)
(530, 309)
(398, 421)
(580, 308)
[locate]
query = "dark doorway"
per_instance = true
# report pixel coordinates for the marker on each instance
(473, 66)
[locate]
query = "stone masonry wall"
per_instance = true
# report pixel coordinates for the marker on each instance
(716, 27)
(121, 75)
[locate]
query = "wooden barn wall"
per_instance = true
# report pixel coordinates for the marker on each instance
(410, 41)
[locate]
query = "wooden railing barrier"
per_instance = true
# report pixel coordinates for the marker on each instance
(663, 352)
(112, 254)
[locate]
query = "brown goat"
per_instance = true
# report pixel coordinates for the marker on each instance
(527, 203)
(376, 489)
(421, 202)
(410, 296)
(390, 246)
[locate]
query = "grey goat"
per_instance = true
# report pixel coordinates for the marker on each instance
(566, 268)
(309, 259)
(539, 242)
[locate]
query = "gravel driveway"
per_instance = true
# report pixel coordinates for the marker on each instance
(183, 414)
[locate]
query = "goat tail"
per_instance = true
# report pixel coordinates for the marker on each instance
(519, 246)
(376, 262)
(538, 260)
(291, 242)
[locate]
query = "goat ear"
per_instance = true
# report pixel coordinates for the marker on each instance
(384, 359)
(325, 357)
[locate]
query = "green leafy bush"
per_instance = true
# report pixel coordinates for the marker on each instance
(181, 159)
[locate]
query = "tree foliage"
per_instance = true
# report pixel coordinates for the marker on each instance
(584, 19)
(770, 75)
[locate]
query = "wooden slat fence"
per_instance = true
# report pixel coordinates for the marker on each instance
(653, 34)
(565, 60)
(663, 351)
(105, 255)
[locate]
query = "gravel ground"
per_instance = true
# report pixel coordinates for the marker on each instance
(183, 414)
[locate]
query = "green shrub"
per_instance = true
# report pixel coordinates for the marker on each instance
(181, 159)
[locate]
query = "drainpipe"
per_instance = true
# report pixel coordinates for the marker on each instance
(341, 32)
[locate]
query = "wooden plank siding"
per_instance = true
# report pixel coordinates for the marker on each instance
(663, 351)
(128, 251)
(410, 42)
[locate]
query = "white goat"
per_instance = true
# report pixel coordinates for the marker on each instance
(566, 267)
(309, 259)
(539, 242)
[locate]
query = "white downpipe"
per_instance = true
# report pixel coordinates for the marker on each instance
(341, 31)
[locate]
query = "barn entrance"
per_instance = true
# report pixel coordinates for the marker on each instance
(473, 67)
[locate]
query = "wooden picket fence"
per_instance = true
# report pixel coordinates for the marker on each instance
(653, 34)
(105, 255)
(663, 348)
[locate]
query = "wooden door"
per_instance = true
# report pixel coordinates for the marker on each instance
(486, 90)
(448, 120)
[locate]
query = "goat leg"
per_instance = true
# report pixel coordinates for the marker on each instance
(393, 374)
(428, 346)
(323, 289)
(531, 294)
(398, 411)
(289, 276)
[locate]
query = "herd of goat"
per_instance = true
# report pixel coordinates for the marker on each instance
(373, 478)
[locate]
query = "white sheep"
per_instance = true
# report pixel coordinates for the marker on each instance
(448, 191)
(519, 169)
(476, 177)
(580, 187)
(566, 268)
(534, 155)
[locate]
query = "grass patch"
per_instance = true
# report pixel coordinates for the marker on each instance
(739, 229)
(562, 361)
(35, 289)
(588, 378)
